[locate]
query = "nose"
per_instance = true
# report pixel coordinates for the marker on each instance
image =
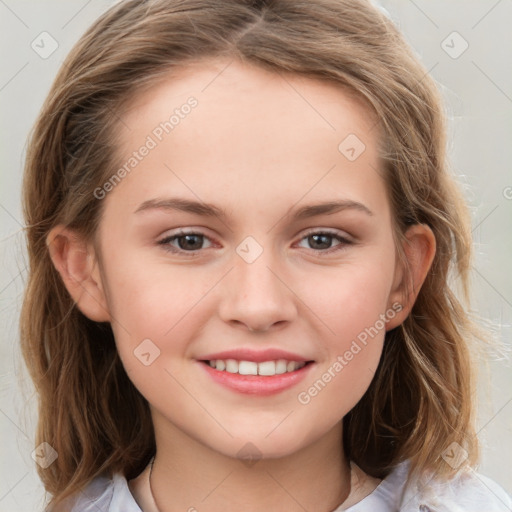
(256, 296)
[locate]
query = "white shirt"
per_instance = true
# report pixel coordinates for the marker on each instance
(469, 491)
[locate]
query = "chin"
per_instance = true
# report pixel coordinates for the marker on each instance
(257, 446)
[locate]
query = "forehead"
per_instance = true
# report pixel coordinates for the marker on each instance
(251, 93)
(256, 134)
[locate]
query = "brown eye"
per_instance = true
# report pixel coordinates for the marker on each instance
(183, 242)
(322, 241)
(190, 242)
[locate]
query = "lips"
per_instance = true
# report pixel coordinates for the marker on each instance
(261, 372)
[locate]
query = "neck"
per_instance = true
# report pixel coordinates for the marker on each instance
(187, 475)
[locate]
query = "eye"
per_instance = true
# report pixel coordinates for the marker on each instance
(183, 242)
(321, 241)
(190, 243)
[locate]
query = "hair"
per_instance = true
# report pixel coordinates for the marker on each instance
(421, 397)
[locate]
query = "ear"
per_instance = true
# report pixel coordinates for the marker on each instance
(419, 249)
(77, 264)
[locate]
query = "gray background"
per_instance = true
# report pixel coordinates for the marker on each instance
(477, 86)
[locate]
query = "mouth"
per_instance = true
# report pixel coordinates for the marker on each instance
(263, 368)
(261, 377)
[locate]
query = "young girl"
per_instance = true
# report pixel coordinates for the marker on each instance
(241, 228)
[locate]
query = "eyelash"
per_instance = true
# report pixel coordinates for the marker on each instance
(165, 242)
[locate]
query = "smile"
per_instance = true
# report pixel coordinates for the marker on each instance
(265, 368)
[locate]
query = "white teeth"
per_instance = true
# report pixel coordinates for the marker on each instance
(231, 366)
(267, 368)
(247, 368)
(280, 366)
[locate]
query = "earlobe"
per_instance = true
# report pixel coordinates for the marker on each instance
(76, 262)
(419, 250)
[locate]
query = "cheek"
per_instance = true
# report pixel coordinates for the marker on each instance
(354, 307)
(150, 300)
(351, 357)
(350, 299)
(339, 385)
(157, 310)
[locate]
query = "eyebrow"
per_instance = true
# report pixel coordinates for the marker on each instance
(210, 210)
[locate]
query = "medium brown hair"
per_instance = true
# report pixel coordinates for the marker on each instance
(420, 400)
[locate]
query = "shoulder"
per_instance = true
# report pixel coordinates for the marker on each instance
(104, 494)
(467, 491)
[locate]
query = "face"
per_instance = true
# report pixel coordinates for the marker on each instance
(217, 260)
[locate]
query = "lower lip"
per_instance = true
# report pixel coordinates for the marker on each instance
(257, 384)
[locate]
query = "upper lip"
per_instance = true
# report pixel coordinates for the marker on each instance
(257, 356)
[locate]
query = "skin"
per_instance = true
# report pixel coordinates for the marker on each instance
(258, 145)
